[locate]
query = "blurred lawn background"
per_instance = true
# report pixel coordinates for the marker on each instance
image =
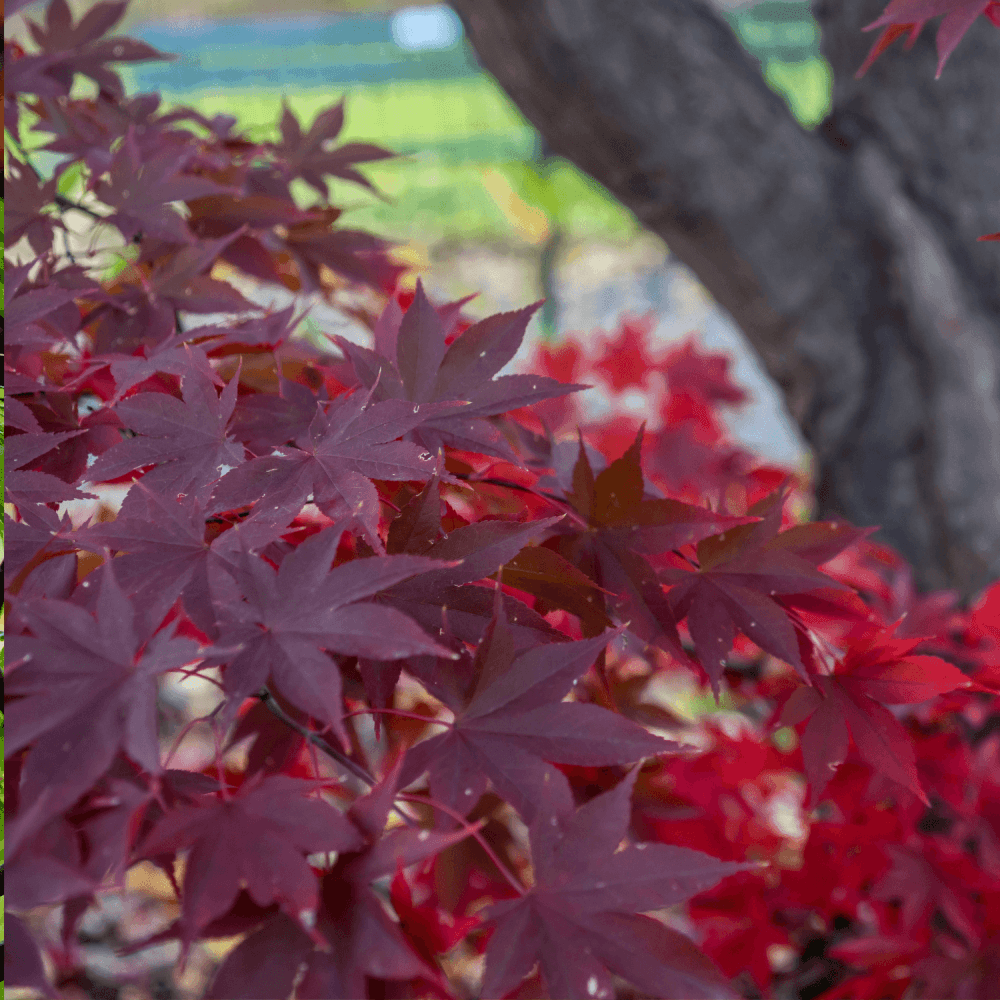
(471, 168)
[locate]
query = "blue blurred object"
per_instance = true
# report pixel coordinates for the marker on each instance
(417, 28)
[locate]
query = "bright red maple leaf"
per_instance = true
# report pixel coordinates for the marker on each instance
(582, 917)
(626, 359)
(875, 671)
(701, 373)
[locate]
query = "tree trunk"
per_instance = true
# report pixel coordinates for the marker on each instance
(847, 255)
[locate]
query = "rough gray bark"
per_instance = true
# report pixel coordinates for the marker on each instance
(847, 255)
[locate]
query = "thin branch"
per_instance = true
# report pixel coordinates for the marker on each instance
(566, 507)
(67, 203)
(62, 201)
(474, 830)
(401, 714)
(316, 739)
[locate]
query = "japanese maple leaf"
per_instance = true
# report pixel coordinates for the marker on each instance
(41, 534)
(166, 553)
(282, 621)
(311, 157)
(186, 441)
(425, 370)
(83, 434)
(902, 17)
(354, 937)
(258, 332)
(265, 420)
(482, 548)
(618, 526)
(24, 966)
(510, 719)
(479, 549)
(145, 307)
(86, 690)
(936, 878)
(171, 356)
(626, 359)
(28, 194)
(141, 192)
(742, 577)
(258, 840)
(357, 255)
(68, 48)
(703, 374)
(28, 487)
(581, 918)
(875, 670)
(32, 310)
(349, 443)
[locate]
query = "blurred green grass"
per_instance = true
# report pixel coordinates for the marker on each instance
(468, 169)
(455, 137)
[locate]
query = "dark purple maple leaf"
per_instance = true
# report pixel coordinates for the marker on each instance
(511, 719)
(166, 554)
(743, 575)
(41, 531)
(86, 690)
(83, 434)
(257, 839)
(349, 442)
(67, 49)
(483, 547)
(172, 356)
(581, 919)
(27, 194)
(144, 310)
(25, 488)
(40, 314)
(258, 332)
(426, 370)
(282, 621)
(140, 191)
(353, 937)
(186, 441)
(23, 964)
(622, 525)
(311, 157)
(265, 421)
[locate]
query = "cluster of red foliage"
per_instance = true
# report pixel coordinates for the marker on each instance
(400, 533)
